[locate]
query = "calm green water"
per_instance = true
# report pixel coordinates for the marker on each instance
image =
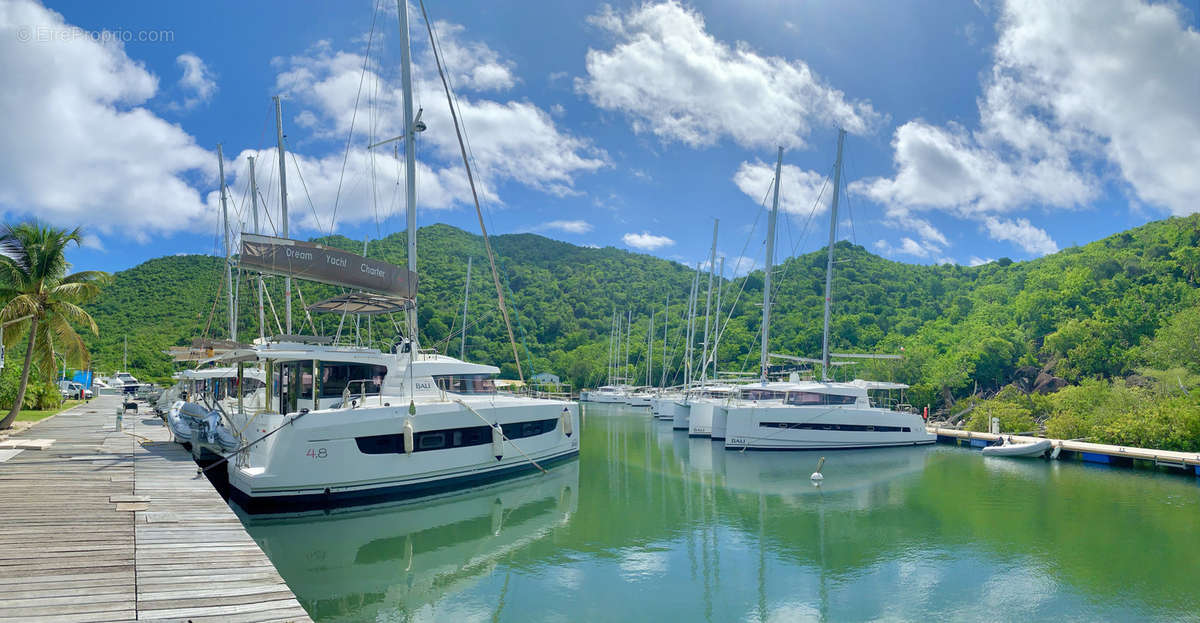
(649, 525)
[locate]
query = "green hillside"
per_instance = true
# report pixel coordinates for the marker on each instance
(1085, 312)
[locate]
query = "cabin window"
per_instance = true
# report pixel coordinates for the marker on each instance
(761, 394)
(431, 441)
(806, 399)
(845, 428)
(453, 437)
(466, 383)
(337, 376)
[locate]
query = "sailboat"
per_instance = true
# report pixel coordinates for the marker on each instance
(817, 414)
(349, 425)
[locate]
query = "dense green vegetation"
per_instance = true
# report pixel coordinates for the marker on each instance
(1115, 313)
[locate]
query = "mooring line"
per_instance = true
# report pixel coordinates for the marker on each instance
(502, 435)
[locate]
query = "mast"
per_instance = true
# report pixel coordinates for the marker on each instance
(712, 261)
(262, 318)
(837, 181)
(691, 328)
(612, 348)
(462, 353)
(126, 368)
(287, 281)
(717, 320)
(650, 351)
(666, 322)
(766, 322)
(629, 331)
(410, 159)
(225, 226)
(358, 317)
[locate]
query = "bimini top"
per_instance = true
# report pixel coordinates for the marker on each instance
(430, 364)
(362, 303)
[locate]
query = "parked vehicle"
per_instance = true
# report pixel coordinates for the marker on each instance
(72, 390)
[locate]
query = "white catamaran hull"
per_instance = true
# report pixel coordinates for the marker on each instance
(680, 411)
(353, 456)
(663, 407)
(781, 427)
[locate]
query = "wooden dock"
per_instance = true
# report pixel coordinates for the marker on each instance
(1090, 452)
(100, 527)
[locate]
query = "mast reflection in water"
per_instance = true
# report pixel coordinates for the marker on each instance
(650, 525)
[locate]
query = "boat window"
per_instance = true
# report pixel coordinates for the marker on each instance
(453, 437)
(431, 441)
(817, 398)
(760, 394)
(336, 376)
(466, 383)
(854, 428)
(306, 379)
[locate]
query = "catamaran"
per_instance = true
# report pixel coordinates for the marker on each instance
(817, 414)
(349, 424)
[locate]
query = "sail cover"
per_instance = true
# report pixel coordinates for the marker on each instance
(315, 262)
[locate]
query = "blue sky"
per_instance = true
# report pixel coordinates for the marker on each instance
(978, 130)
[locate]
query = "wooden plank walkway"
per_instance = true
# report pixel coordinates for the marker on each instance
(98, 527)
(1185, 460)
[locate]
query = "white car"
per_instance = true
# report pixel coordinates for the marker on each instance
(71, 389)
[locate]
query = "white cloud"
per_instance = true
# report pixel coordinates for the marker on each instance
(902, 218)
(475, 65)
(570, 227)
(197, 79)
(798, 192)
(907, 246)
(1079, 90)
(672, 78)
(359, 201)
(59, 97)
(1022, 233)
(646, 241)
(510, 141)
(92, 241)
(980, 261)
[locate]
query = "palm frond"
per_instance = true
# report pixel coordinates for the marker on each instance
(20, 305)
(12, 246)
(75, 292)
(69, 344)
(43, 347)
(97, 277)
(70, 312)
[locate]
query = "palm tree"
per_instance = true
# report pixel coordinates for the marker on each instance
(39, 296)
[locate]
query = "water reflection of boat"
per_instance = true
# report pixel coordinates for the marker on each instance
(786, 474)
(370, 563)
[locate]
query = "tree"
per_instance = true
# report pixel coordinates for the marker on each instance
(42, 300)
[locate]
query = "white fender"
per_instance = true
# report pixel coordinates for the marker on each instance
(565, 420)
(497, 442)
(1056, 451)
(409, 445)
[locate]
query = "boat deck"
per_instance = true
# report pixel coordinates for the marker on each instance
(99, 527)
(1091, 452)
